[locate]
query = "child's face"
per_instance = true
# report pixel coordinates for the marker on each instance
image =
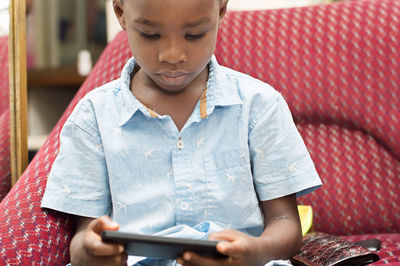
(171, 40)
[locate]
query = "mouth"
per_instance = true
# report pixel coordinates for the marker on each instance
(173, 78)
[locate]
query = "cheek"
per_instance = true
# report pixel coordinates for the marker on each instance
(204, 49)
(143, 52)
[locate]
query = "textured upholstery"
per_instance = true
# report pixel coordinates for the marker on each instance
(5, 167)
(4, 87)
(338, 68)
(28, 235)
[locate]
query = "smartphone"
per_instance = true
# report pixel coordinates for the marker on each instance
(161, 247)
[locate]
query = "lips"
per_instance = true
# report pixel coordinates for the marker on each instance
(173, 78)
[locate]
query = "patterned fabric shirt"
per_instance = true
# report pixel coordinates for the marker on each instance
(239, 146)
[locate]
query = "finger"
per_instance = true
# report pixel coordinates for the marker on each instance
(95, 246)
(120, 259)
(101, 224)
(227, 235)
(236, 249)
(192, 259)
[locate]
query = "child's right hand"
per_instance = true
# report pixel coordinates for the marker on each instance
(87, 248)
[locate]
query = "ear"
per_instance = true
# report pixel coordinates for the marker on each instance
(222, 11)
(119, 12)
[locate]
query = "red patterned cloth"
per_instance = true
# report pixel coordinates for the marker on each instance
(390, 246)
(5, 166)
(338, 68)
(4, 81)
(5, 163)
(29, 235)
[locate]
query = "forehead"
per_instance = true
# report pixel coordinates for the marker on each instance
(171, 10)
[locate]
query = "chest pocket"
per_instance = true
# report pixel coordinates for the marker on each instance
(221, 161)
(231, 197)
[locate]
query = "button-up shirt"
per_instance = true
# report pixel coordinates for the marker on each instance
(239, 146)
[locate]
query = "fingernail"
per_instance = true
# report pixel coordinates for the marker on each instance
(222, 246)
(120, 249)
(187, 256)
(111, 223)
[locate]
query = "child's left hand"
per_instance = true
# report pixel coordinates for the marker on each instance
(240, 248)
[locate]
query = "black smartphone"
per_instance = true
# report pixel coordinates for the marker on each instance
(161, 247)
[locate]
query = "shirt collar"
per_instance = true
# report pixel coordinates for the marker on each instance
(219, 90)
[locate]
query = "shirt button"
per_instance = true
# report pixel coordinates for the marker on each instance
(180, 143)
(184, 206)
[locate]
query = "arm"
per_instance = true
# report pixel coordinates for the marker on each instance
(86, 247)
(282, 235)
(280, 240)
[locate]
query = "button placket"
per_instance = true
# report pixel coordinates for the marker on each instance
(180, 144)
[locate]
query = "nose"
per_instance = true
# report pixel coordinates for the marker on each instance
(172, 52)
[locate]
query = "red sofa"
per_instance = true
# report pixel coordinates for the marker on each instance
(337, 65)
(5, 164)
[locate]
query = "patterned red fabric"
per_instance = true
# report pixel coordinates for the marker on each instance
(5, 167)
(390, 246)
(4, 81)
(336, 65)
(29, 235)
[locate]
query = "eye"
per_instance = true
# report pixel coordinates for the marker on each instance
(150, 36)
(192, 37)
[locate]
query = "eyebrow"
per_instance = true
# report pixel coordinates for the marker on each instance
(187, 25)
(147, 22)
(197, 22)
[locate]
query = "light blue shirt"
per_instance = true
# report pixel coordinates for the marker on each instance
(239, 146)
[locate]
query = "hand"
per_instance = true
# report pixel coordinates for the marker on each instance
(88, 249)
(240, 248)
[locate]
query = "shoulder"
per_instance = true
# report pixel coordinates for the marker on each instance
(257, 96)
(100, 96)
(85, 112)
(250, 89)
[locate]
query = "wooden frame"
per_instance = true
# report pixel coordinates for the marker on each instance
(18, 89)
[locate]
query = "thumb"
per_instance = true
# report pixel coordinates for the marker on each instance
(103, 223)
(232, 249)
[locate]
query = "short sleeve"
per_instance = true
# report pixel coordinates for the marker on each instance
(281, 164)
(78, 181)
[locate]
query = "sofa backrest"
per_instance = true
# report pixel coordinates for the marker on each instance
(5, 163)
(4, 80)
(28, 234)
(338, 67)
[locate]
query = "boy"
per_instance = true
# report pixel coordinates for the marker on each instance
(181, 146)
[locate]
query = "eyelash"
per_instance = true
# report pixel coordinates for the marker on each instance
(150, 36)
(190, 37)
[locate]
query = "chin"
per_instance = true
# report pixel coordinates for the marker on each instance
(173, 88)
